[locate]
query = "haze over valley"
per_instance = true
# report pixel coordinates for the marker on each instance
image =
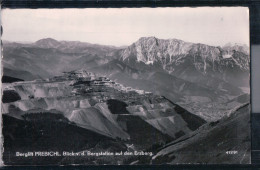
(165, 96)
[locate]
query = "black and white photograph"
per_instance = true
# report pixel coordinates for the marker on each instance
(126, 86)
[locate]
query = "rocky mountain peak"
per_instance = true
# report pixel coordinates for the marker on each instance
(47, 43)
(148, 38)
(230, 47)
(152, 49)
(170, 53)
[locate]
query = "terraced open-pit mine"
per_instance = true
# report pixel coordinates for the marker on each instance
(80, 112)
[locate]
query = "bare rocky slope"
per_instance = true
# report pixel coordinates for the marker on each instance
(224, 141)
(164, 97)
(96, 106)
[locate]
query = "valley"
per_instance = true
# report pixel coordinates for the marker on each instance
(166, 97)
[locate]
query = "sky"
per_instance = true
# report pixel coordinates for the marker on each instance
(122, 26)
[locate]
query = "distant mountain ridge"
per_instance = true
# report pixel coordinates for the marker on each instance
(151, 49)
(48, 57)
(175, 56)
(181, 71)
(47, 43)
(217, 67)
(185, 60)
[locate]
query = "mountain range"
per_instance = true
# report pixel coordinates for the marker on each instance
(177, 69)
(164, 96)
